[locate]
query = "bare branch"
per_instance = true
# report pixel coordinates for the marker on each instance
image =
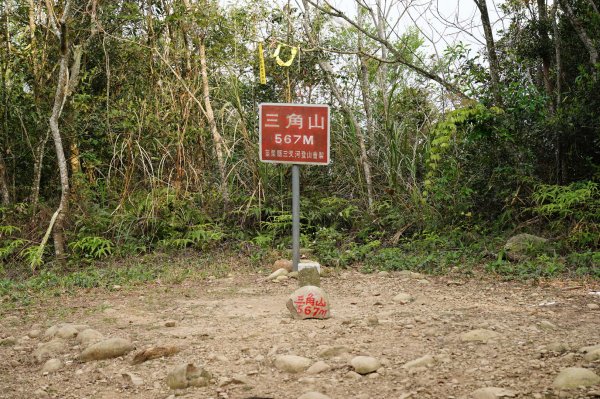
(335, 12)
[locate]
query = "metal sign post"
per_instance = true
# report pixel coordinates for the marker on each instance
(295, 216)
(296, 134)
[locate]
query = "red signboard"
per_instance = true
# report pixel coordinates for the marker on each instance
(294, 133)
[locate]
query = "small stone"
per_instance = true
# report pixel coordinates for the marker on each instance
(403, 298)
(590, 348)
(52, 365)
(353, 375)
(420, 362)
(301, 308)
(282, 264)
(35, 333)
(40, 393)
(276, 273)
(107, 349)
(8, 341)
(479, 335)
(593, 306)
(592, 356)
(493, 393)
(132, 379)
(313, 395)
(409, 274)
(309, 276)
(318, 367)
(333, 351)
(89, 337)
(558, 347)
(170, 323)
(186, 375)
(546, 325)
(50, 332)
(292, 363)
(365, 364)
(573, 377)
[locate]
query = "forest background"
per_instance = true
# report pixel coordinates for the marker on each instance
(129, 129)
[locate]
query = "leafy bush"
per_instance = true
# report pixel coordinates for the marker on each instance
(572, 210)
(92, 247)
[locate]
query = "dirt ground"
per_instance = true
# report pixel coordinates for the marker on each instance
(235, 326)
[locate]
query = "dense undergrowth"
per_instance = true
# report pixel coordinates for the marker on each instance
(139, 242)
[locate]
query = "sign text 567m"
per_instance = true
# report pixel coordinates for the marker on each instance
(294, 133)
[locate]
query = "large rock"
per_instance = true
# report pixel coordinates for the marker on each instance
(493, 393)
(309, 302)
(592, 356)
(524, 246)
(282, 264)
(107, 349)
(64, 331)
(365, 364)
(89, 337)
(479, 335)
(292, 363)
(188, 375)
(67, 331)
(573, 377)
(49, 350)
(591, 348)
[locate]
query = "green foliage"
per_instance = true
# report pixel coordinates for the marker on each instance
(543, 266)
(92, 247)
(584, 263)
(202, 236)
(572, 210)
(34, 256)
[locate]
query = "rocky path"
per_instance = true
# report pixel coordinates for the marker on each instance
(397, 335)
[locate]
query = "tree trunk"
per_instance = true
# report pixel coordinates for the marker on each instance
(544, 24)
(217, 138)
(558, 89)
(363, 74)
(327, 70)
(581, 32)
(59, 98)
(4, 183)
(64, 88)
(37, 170)
(491, 50)
(4, 95)
(383, 68)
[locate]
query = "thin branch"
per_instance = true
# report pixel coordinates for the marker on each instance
(398, 56)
